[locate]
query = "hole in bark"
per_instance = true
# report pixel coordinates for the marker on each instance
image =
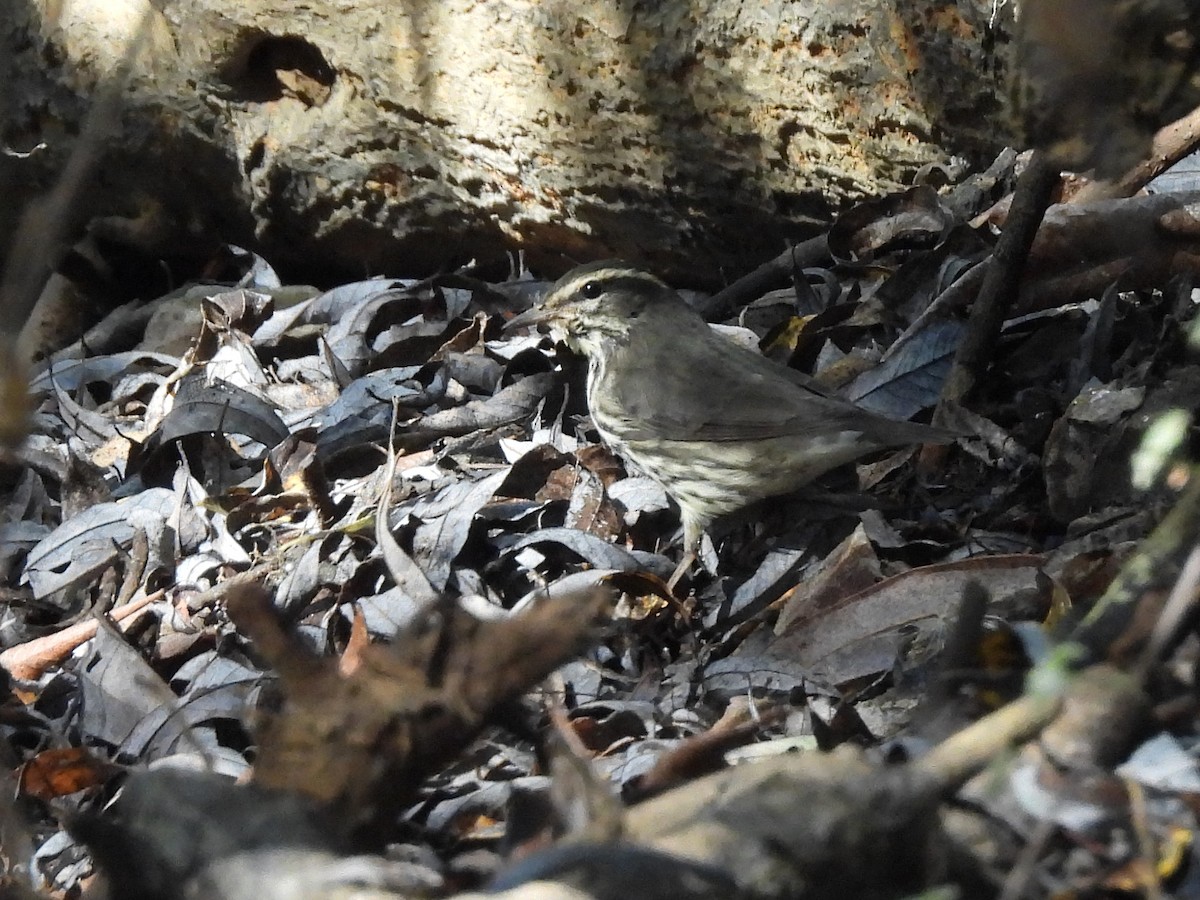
(256, 156)
(787, 131)
(266, 68)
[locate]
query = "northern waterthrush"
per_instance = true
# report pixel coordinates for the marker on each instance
(718, 426)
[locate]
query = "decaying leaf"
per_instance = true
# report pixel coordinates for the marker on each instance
(864, 633)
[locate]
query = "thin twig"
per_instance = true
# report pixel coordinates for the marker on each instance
(1170, 145)
(767, 276)
(1001, 281)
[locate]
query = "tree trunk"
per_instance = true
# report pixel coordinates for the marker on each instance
(361, 136)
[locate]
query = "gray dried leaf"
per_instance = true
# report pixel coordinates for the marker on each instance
(119, 690)
(477, 371)
(85, 424)
(739, 675)
(593, 550)
(349, 333)
(87, 543)
(1163, 764)
(71, 374)
(16, 538)
(406, 574)
(185, 724)
(391, 612)
(236, 363)
(445, 524)
(775, 573)
(864, 633)
(911, 380)
(219, 408)
(340, 301)
(512, 404)
(637, 495)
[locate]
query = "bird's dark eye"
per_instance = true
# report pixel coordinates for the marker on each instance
(591, 289)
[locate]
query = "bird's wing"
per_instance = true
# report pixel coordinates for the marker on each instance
(713, 390)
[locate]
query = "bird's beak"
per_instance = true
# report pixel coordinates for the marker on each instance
(536, 316)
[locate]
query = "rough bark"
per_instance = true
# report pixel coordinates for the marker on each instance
(352, 136)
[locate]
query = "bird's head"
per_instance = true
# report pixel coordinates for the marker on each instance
(594, 305)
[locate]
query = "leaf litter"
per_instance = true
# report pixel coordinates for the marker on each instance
(358, 549)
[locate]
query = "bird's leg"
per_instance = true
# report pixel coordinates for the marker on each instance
(693, 549)
(685, 563)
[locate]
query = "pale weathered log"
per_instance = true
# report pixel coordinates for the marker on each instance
(359, 136)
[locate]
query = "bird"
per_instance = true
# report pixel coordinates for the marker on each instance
(718, 426)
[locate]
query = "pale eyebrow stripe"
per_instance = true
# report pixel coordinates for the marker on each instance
(615, 277)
